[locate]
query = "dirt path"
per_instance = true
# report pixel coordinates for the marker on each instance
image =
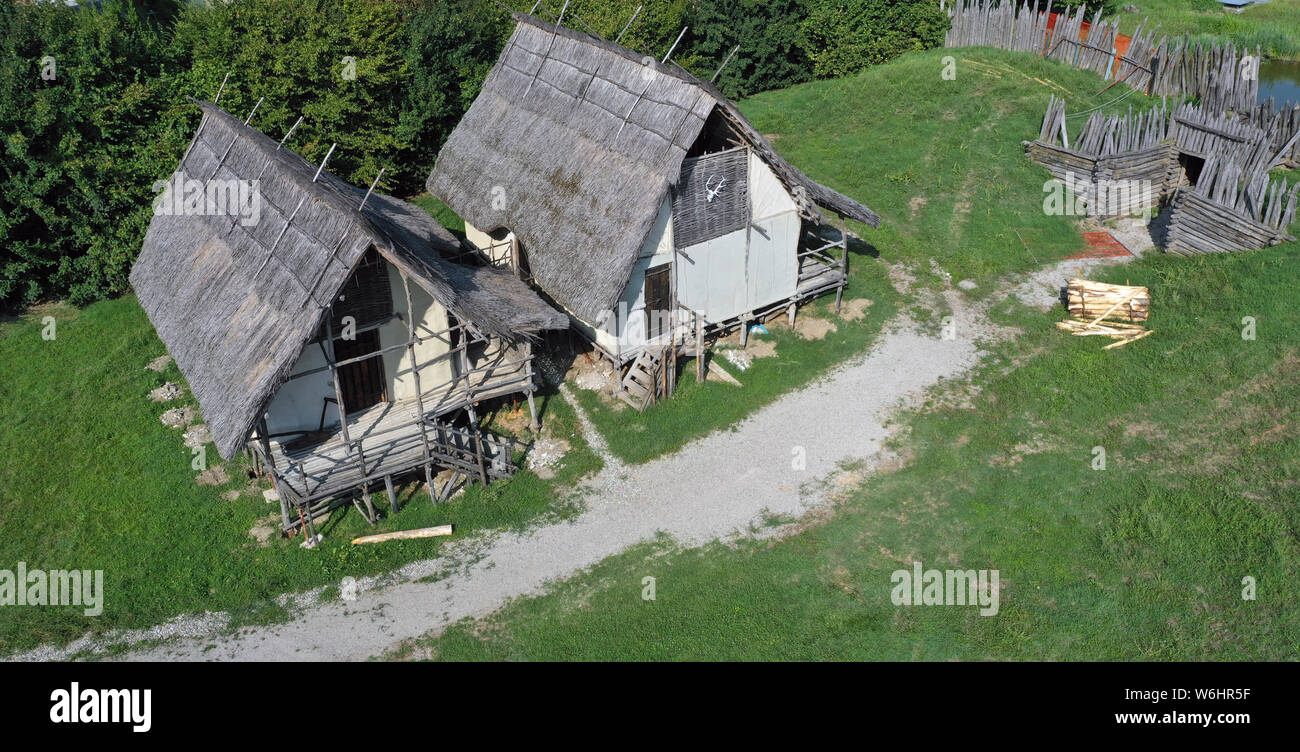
(749, 474)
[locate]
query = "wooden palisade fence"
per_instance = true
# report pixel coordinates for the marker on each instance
(1231, 205)
(1174, 67)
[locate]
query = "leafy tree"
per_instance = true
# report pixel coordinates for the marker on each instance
(449, 47)
(339, 64)
(84, 131)
(767, 33)
(845, 36)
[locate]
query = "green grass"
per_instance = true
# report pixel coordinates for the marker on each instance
(941, 161)
(1273, 26)
(1141, 560)
(91, 479)
(441, 212)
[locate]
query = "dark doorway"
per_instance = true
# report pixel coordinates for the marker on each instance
(1192, 166)
(658, 300)
(362, 383)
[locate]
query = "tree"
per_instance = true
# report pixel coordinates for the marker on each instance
(844, 37)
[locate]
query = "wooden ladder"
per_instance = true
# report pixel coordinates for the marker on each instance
(643, 382)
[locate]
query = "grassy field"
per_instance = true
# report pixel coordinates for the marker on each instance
(940, 160)
(1273, 26)
(1143, 559)
(91, 479)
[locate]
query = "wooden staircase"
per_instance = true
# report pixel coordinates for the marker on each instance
(645, 379)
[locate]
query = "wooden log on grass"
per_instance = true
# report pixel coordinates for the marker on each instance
(424, 532)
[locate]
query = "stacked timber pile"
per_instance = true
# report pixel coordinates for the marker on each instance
(1104, 310)
(1157, 66)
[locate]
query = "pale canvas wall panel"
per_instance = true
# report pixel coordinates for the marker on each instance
(297, 406)
(773, 262)
(768, 196)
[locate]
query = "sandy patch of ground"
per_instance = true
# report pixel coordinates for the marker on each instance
(811, 327)
(545, 456)
(213, 476)
(856, 309)
(197, 436)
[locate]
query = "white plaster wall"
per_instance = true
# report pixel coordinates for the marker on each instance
(297, 405)
(430, 319)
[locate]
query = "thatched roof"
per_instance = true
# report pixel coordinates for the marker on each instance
(235, 316)
(573, 144)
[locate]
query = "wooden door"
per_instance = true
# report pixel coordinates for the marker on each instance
(362, 383)
(658, 300)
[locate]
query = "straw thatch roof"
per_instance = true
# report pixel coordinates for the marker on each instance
(573, 144)
(235, 304)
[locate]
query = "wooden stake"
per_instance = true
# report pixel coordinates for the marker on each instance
(424, 532)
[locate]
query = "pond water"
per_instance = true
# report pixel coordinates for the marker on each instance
(1280, 79)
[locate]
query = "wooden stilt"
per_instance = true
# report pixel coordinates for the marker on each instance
(392, 495)
(369, 511)
(844, 263)
(699, 348)
(532, 412)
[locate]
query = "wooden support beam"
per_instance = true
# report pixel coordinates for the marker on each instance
(700, 374)
(392, 495)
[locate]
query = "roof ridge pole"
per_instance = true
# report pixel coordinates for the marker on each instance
(627, 26)
(670, 49)
(323, 161)
(222, 89)
(249, 119)
(290, 133)
(718, 72)
(372, 188)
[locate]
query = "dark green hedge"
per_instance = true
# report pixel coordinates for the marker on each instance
(82, 143)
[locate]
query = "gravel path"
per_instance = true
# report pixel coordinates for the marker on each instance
(718, 486)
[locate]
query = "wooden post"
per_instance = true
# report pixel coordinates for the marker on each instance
(790, 311)
(419, 392)
(334, 376)
(699, 348)
(392, 495)
(469, 403)
(532, 406)
(844, 263)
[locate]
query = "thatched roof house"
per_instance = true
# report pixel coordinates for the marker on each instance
(574, 146)
(238, 299)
